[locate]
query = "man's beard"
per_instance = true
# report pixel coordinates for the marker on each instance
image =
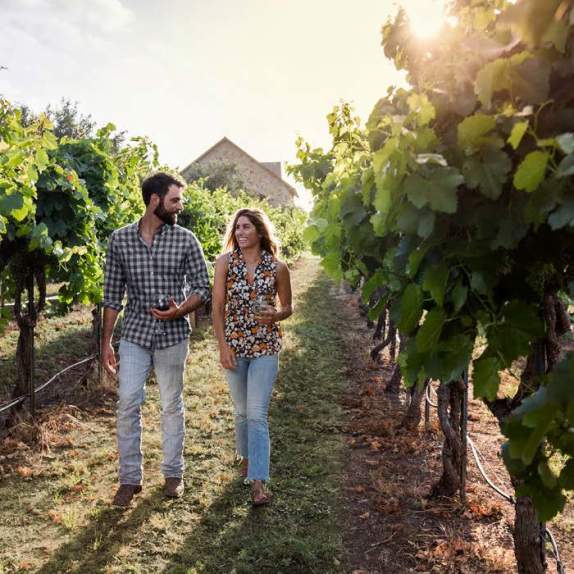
(164, 215)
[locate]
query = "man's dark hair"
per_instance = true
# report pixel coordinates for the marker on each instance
(158, 183)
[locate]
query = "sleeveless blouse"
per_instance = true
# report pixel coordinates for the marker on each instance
(244, 334)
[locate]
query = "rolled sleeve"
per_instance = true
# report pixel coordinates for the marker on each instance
(114, 278)
(197, 277)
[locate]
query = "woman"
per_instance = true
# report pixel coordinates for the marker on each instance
(248, 280)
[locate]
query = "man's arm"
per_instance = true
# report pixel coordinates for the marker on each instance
(108, 357)
(198, 280)
(114, 290)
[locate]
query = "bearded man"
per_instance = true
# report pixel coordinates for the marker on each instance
(162, 267)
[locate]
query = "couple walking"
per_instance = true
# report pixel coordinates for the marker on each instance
(162, 268)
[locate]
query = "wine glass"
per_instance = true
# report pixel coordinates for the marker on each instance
(161, 303)
(259, 304)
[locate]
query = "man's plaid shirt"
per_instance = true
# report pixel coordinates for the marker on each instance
(174, 266)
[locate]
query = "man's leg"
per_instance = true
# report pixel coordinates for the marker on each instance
(169, 366)
(135, 363)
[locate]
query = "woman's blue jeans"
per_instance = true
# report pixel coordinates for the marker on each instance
(251, 385)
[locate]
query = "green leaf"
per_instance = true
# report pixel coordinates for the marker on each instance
(478, 283)
(471, 131)
(566, 479)
(518, 131)
(491, 78)
(420, 105)
(435, 281)
(450, 358)
(10, 203)
(485, 378)
(426, 224)
(530, 173)
(514, 465)
(548, 477)
(535, 439)
(439, 190)
(458, 295)
(563, 215)
(382, 200)
(566, 166)
(332, 265)
(566, 142)
(412, 364)
(523, 316)
(311, 234)
(415, 259)
(488, 172)
(429, 333)
(530, 80)
(411, 308)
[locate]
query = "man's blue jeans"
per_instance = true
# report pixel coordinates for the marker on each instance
(135, 365)
(251, 385)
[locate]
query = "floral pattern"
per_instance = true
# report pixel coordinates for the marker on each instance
(244, 334)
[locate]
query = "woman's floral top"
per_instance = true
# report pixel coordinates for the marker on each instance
(244, 334)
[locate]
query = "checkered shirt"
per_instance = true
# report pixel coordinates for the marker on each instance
(174, 266)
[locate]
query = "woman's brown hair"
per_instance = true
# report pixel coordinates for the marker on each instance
(265, 230)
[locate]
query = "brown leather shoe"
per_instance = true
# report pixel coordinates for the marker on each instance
(173, 487)
(125, 493)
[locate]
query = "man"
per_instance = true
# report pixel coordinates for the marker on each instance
(155, 259)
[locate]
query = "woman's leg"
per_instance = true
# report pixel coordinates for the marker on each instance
(237, 381)
(261, 376)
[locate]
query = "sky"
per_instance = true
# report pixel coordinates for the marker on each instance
(185, 73)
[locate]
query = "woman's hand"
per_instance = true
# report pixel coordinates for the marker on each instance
(227, 357)
(266, 315)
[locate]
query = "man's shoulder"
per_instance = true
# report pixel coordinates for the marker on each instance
(125, 231)
(184, 234)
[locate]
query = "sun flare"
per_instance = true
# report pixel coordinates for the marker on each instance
(426, 17)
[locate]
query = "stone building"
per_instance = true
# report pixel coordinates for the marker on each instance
(260, 179)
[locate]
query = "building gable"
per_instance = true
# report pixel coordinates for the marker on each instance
(262, 180)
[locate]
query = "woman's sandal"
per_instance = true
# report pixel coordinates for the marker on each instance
(261, 499)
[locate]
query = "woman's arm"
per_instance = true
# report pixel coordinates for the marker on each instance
(285, 297)
(226, 354)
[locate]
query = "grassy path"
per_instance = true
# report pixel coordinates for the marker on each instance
(55, 514)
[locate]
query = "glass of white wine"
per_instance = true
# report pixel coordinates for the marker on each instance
(259, 304)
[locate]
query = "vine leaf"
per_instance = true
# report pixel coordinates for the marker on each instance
(435, 281)
(530, 173)
(517, 133)
(411, 309)
(438, 190)
(485, 378)
(429, 333)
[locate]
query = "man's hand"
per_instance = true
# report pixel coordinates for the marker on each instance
(108, 360)
(266, 315)
(227, 357)
(174, 311)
